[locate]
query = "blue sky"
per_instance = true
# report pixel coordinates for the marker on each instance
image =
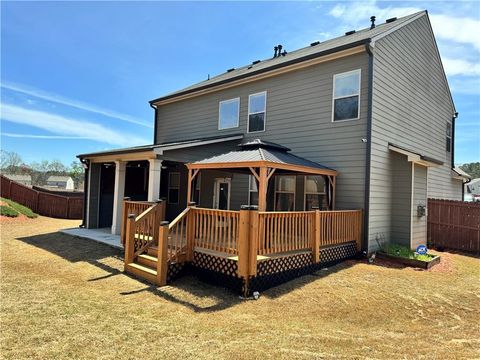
(76, 77)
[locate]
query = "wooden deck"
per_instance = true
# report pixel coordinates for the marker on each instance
(244, 244)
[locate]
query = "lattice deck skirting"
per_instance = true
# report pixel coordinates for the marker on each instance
(175, 270)
(217, 271)
(277, 271)
(222, 272)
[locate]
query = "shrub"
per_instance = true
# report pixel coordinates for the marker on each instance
(8, 211)
(20, 208)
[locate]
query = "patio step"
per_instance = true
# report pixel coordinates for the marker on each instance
(142, 272)
(147, 260)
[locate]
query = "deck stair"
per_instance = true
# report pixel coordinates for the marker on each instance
(143, 233)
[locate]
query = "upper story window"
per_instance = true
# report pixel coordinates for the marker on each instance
(257, 107)
(228, 113)
(346, 96)
(449, 137)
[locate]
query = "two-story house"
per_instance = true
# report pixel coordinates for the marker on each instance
(373, 105)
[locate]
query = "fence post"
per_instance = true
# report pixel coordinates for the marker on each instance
(243, 244)
(124, 221)
(316, 237)
(162, 255)
(190, 231)
(253, 241)
(130, 239)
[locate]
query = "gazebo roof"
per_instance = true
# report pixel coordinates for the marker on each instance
(261, 153)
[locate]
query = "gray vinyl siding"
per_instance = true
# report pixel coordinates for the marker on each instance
(441, 184)
(419, 197)
(299, 116)
(93, 194)
(401, 199)
(411, 106)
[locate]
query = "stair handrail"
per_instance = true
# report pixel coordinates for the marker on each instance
(178, 218)
(157, 208)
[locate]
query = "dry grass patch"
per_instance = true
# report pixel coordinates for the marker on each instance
(64, 297)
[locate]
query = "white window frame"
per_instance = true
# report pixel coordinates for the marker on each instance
(285, 192)
(311, 193)
(238, 113)
(216, 190)
(359, 71)
(250, 179)
(173, 187)
(258, 112)
(449, 137)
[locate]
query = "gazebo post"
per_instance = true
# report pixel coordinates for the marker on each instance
(262, 189)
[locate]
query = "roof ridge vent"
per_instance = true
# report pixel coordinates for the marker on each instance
(350, 32)
(255, 62)
(315, 43)
(230, 70)
(388, 21)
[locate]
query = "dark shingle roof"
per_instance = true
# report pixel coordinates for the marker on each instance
(328, 46)
(260, 150)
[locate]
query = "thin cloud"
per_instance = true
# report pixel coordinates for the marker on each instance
(66, 126)
(460, 67)
(52, 137)
(23, 89)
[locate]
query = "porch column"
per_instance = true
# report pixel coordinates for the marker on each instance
(155, 171)
(118, 194)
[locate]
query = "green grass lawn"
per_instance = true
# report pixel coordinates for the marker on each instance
(20, 209)
(6, 210)
(63, 297)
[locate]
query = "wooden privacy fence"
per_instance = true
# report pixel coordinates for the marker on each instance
(454, 225)
(42, 202)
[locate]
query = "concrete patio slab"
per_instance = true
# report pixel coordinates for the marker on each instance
(99, 235)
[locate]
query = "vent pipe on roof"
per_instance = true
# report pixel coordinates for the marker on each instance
(279, 49)
(276, 49)
(372, 19)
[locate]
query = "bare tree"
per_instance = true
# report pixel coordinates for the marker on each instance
(10, 162)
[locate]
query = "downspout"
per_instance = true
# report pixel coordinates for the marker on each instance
(369, 148)
(453, 139)
(154, 123)
(85, 191)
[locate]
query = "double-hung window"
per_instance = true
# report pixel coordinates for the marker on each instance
(173, 187)
(284, 193)
(449, 137)
(228, 113)
(257, 107)
(252, 191)
(346, 95)
(315, 196)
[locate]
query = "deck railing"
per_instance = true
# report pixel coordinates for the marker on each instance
(142, 231)
(338, 227)
(216, 230)
(285, 231)
(242, 235)
(132, 208)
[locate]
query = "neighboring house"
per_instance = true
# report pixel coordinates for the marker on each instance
(374, 105)
(60, 182)
(472, 189)
(21, 179)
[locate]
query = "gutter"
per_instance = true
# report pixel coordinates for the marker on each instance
(369, 148)
(264, 70)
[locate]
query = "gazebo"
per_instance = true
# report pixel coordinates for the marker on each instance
(262, 159)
